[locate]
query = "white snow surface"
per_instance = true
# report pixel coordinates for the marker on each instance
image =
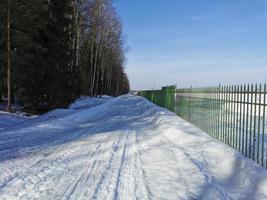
(88, 102)
(7, 119)
(122, 148)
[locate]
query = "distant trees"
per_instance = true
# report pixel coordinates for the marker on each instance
(102, 39)
(53, 51)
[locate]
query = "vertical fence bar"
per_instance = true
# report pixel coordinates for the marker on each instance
(228, 115)
(251, 121)
(224, 115)
(247, 120)
(207, 122)
(240, 118)
(221, 115)
(207, 125)
(200, 112)
(209, 108)
(217, 112)
(212, 111)
(195, 105)
(237, 114)
(209, 113)
(191, 104)
(213, 116)
(259, 125)
(263, 127)
(254, 126)
(243, 119)
(204, 124)
(234, 116)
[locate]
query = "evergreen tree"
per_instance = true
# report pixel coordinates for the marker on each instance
(60, 50)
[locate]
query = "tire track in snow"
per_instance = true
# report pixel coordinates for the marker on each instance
(82, 179)
(122, 161)
(74, 190)
(126, 178)
(42, 169)
(140, 176)
(106, 180)
(90, 177)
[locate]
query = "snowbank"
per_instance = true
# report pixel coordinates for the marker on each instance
(88, 102)
(7, 119)
(124, 148)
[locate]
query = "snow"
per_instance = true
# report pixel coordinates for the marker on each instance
(88, 102)
(121, 148)
(7, 119)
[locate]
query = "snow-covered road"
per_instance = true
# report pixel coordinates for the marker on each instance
(121, 148)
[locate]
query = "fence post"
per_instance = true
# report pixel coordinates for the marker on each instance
(247, 120)
(251, 122)
(240, 120)
(254, 127)
(234, 118)
(217, 111)
(259, 127)
(243, 119)
(263, 127)
(237, 118)
(190, 114)
(231, 116)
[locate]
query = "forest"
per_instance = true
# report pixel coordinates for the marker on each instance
(52, 52)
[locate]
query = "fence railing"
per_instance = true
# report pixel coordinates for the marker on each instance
(164, 97)
(235, 115)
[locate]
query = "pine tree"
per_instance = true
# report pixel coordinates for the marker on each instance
(59, 50)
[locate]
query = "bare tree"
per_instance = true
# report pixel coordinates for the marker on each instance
(102, 48)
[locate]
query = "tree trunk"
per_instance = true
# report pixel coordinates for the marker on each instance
(94, 71)
(91, 68)
(77, 38)
(8, 60)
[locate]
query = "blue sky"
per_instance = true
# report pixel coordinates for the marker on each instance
(194, 42)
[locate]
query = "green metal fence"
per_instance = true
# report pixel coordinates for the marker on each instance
(235, 115)
(164, 97)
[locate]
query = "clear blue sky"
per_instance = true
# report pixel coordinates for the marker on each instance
(194, 42)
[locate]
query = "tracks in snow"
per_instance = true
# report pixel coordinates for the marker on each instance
(88, 168)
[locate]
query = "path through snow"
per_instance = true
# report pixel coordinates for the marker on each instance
(121, 148)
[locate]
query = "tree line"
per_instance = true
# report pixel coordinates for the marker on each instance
(53, 51)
